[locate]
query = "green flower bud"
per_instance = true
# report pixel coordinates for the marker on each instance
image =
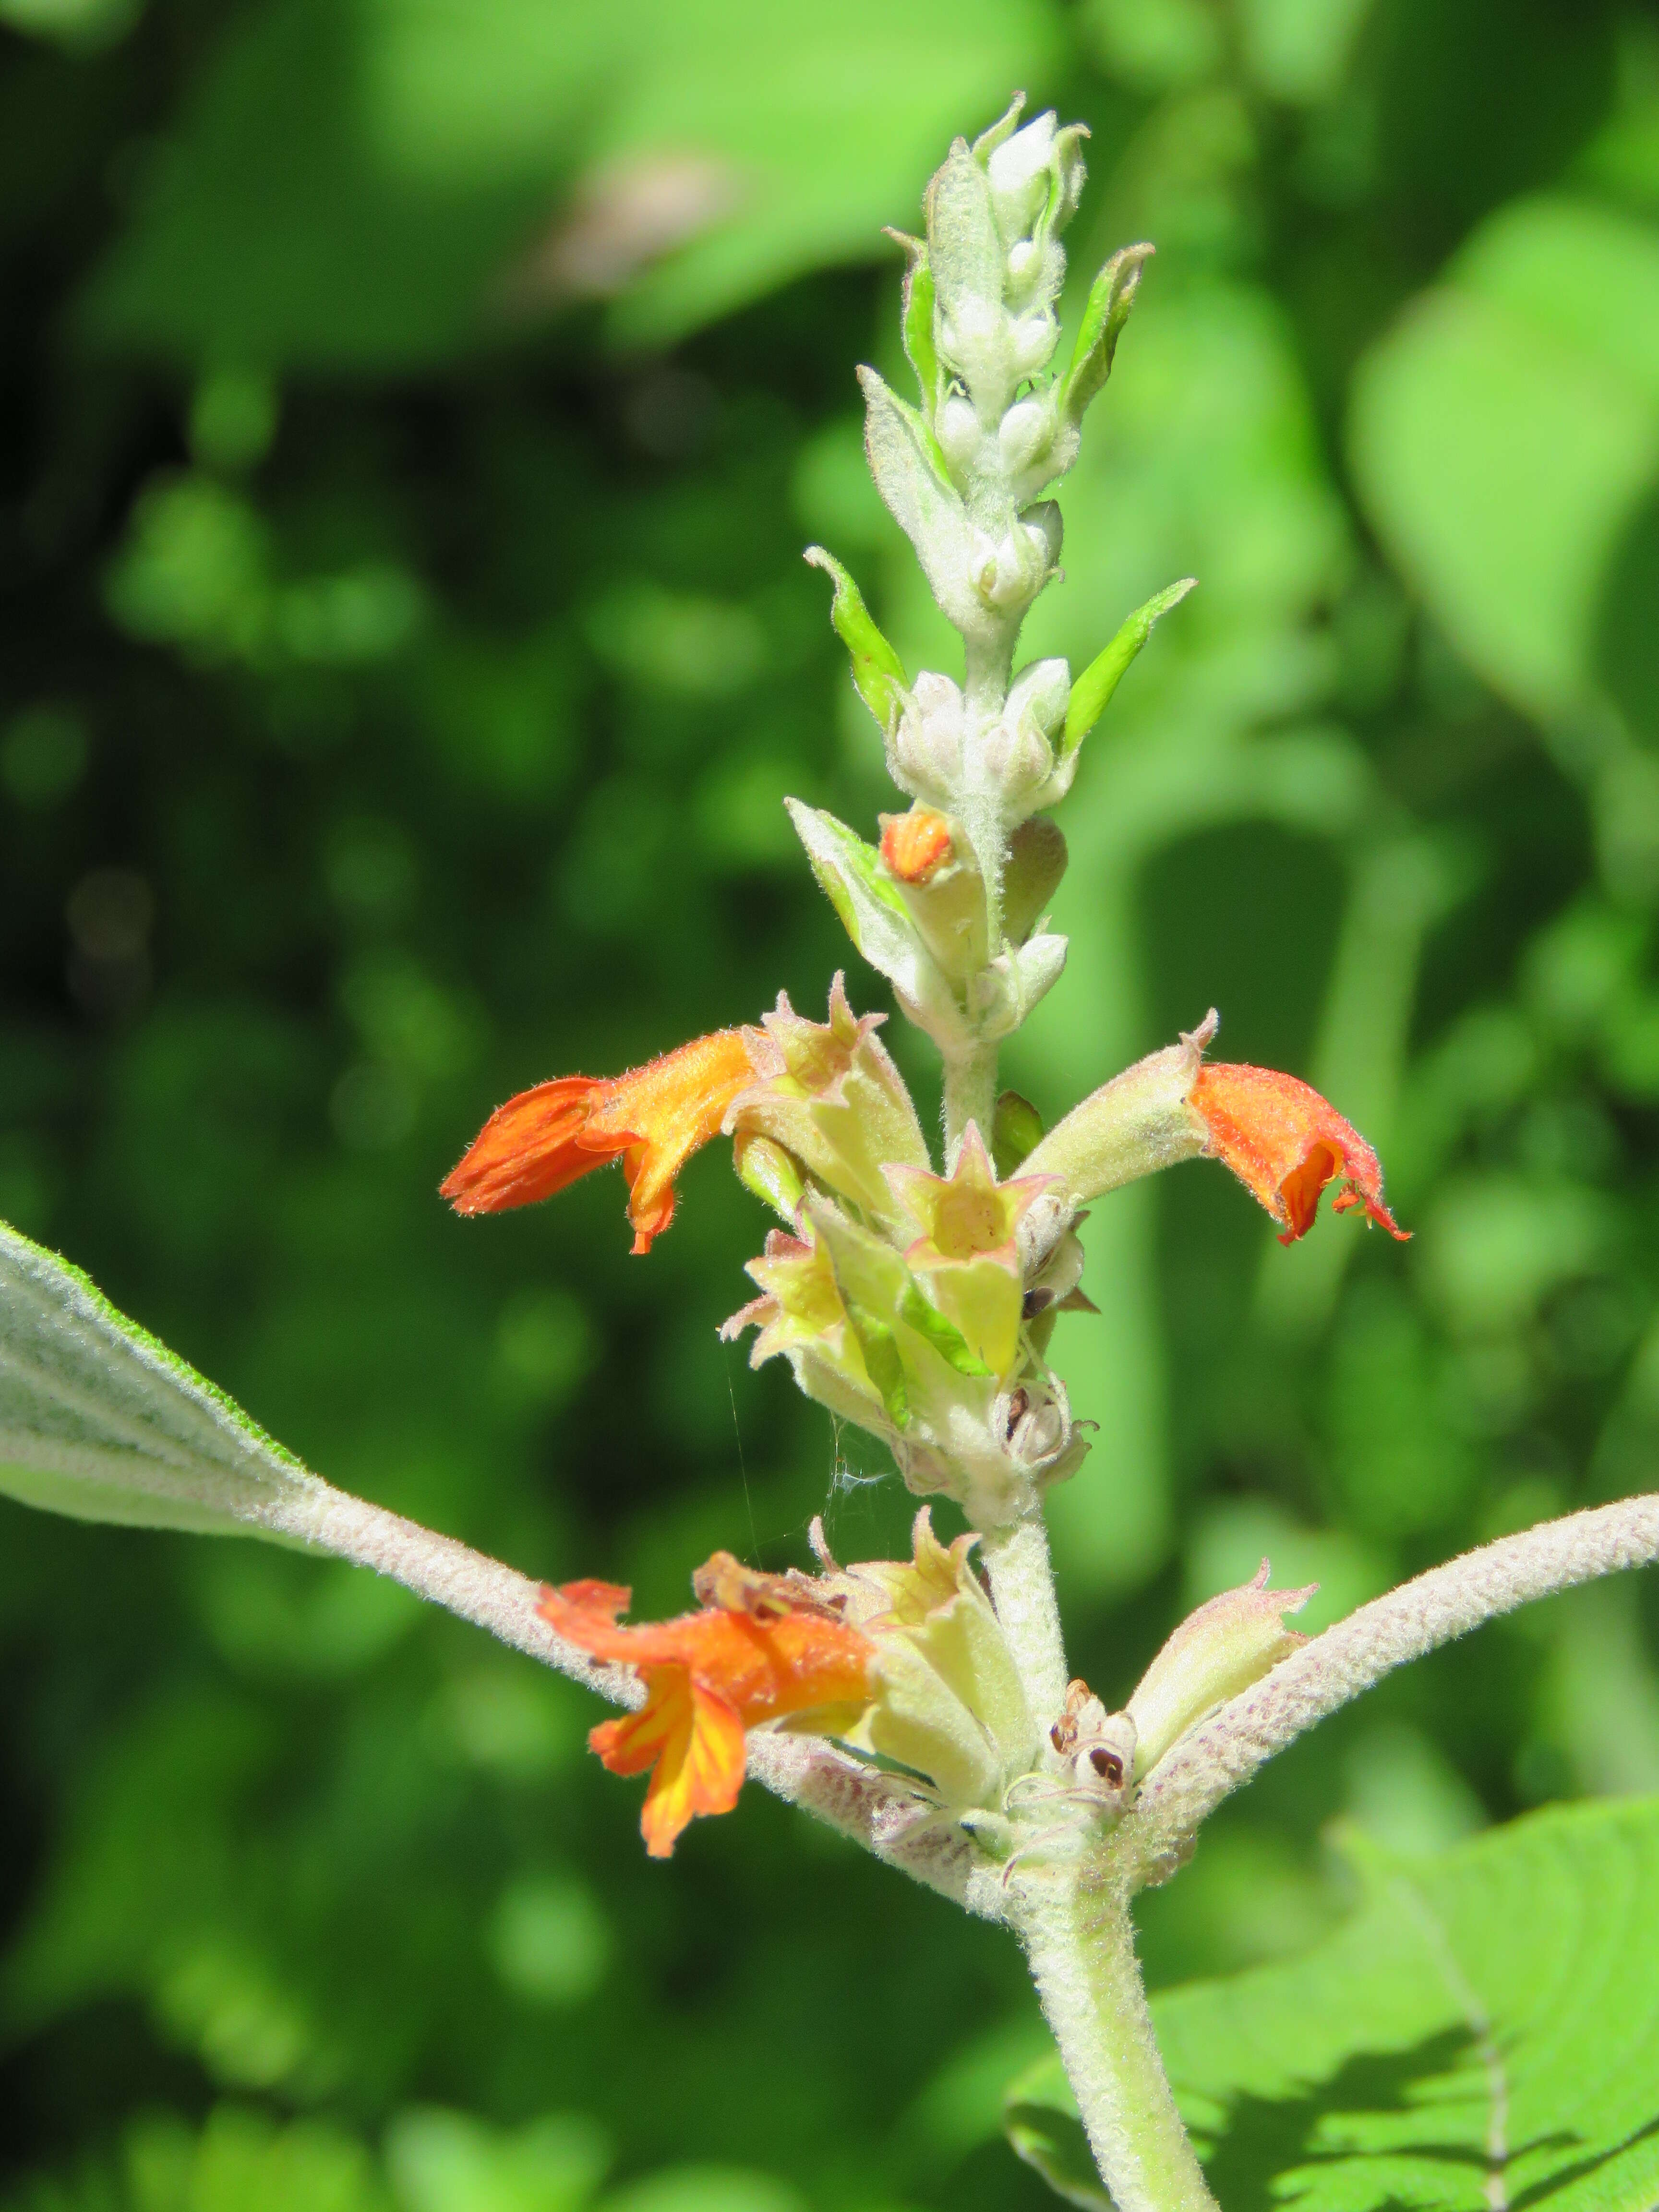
(1216, 1653)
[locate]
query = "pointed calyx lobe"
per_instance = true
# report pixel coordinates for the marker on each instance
(653, 1119)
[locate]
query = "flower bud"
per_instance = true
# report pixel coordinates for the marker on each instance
(1026, 432)
(1016, 1130)
(769, 1171)
(1036, 861)
(1216, 1653)
(931, 860)
(956, 427)
(1039, 695)
(1031, 340)
(915, 846)
(928, 745)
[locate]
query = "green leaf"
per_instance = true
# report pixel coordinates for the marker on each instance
(910, 475)
(918, 323)
(1504, 432)
(943, 1336)
(1484, 2029)
(876, 669)
(1092, 692)
(1111, 298)
(1040, 2119)
(375, 182)
(883, 1361)
(100, 1422)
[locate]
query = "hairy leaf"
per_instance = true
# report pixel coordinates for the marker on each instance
(99, 1421)
(1092, 692)
(1484, 2030)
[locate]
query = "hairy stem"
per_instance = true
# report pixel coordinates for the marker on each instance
(1344, 1662)
(1022, 1587)
(1079, 1938)
(803, 1770)
(970, 1095)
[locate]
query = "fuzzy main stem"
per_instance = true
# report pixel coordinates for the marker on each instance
(1080, 1943)
(970, 1095)
(1022, 1587)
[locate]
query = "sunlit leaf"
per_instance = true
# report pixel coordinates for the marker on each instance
(1504, 432)
(1484, 2030)
(99, 1421)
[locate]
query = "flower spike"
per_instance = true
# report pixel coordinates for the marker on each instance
(709, 1677)
(653, 1119)
(1284, 1143)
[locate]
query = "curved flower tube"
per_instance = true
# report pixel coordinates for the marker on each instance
(653, 1118)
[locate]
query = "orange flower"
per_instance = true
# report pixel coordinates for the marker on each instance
(915, 846)
(1284, 1143)
(653, 1118)
(709, 1676)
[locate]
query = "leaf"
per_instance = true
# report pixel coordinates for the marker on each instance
(373, 183)
(877, 671)
(1092, 692)
(100, 1422)
(918, 323)
(1040, 2119)
(1484, 2029)
(1111, 298)
(874, 916)
(909, 472)
(1503, 433)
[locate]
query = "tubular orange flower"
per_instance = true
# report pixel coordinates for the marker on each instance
(653, 1119)
(1284, 1143)
(709, 1676)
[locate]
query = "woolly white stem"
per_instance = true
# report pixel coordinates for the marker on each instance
(1338, 1665)
(803, 1770)
(1023, 1586)
(1081, 1948)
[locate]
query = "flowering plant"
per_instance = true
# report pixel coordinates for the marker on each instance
(923, 1706)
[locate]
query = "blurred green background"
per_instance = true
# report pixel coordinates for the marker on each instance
(413, 411)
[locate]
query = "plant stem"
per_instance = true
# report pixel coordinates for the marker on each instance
(803, 1770)
(1022, 1587)
(970, 1095)
(1080, 1943)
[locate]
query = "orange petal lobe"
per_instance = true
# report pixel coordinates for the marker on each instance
(709, 1676)
(1285, 1143)
(700, 1770)
(529, 1149)
(653, 1118)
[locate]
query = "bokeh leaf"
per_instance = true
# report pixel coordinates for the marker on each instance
(1484, 2030)
(100, 1422)
(1504, 432)
(376, 185)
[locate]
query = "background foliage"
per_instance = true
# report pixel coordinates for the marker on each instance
(413, 412)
